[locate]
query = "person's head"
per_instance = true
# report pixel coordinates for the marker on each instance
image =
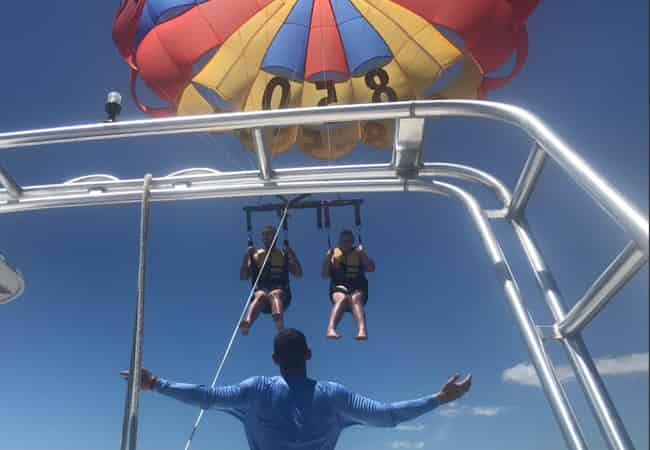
(346, 240)
(290, 350)
(268, 232)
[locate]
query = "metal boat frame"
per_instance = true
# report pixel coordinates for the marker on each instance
(407, 172)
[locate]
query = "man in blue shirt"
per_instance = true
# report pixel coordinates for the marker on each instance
(294, 412)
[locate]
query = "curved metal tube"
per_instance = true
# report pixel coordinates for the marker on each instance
(95, 178)
(128, 191)
(604, 194)
(564, 414)
(194, 171)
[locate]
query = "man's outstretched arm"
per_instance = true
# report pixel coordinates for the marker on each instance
(359, 409)
(234, 396)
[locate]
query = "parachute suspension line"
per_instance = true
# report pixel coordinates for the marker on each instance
(285, 229)
(319, 217)
(132, 404)
(328, 226)
(249, 231)
(357, 221)
(241, 317)
(249, 228)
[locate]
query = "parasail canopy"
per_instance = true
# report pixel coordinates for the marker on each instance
(210, 56)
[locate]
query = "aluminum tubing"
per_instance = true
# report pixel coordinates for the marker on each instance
(596, 186)
(610, 424)
(564, 414)
(207, 123)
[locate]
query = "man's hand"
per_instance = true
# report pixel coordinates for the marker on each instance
(147, 379)
(453, 390)
(250, 251)
(360, 248)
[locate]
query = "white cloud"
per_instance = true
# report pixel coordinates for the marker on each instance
(406, 444)
(484, 411)
(524, 373)
(623, 365)
(450, 410)
(410, 427)
(454, 410)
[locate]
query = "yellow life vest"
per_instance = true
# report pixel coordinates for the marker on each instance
(346, 266)
(276, 268)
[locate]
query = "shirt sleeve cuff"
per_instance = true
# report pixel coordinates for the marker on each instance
(161, 384)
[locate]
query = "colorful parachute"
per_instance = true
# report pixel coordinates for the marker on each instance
(204, 56)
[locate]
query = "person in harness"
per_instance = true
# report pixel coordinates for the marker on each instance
(273, 293)
(346, 266)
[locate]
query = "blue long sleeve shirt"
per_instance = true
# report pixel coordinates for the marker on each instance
(296, 413)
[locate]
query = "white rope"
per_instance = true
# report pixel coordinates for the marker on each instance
(241, 317)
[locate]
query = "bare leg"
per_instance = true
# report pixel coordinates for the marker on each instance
(254, 308)
(341, 303)
(359, 315)
(277, 308)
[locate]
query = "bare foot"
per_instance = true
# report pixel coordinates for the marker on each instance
(332, 334)
(244, 326)
(362, 336)
(279, 323)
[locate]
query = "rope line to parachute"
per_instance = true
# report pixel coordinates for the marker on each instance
(241, 317)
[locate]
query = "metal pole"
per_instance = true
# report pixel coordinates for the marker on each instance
(173, 187)
(611, 425)
(135, 372)
(263, 154)
(608, 198)
(527, 180)
(564, 414)
(617, 274)
(600, 190)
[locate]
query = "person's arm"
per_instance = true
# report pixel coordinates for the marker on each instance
(244, 270)
(233, 396)
(325, 268)
(356, 408)
(294, 264)
(367, 263)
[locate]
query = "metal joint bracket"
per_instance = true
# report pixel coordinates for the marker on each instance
(407, 147)
(598, 295)
(549, 332)
(527, 181)
(14, 190)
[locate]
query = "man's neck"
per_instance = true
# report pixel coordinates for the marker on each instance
(301, 372)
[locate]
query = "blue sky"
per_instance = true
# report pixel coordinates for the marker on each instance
(435, 305)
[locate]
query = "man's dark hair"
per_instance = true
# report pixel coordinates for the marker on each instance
(346, 232)
(289, 348)
(269, 227)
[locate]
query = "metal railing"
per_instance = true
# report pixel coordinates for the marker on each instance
(406, 172)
